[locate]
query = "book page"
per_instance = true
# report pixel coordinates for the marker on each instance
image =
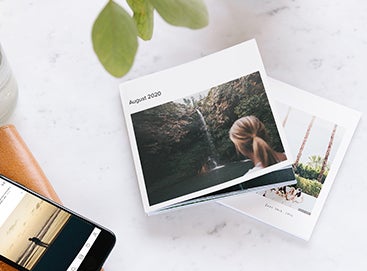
(319, 132)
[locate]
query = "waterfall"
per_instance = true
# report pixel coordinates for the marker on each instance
(212, 159)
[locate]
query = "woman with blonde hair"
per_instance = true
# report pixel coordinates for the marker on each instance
(250, 138)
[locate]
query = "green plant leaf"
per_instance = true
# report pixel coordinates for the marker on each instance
(143, 16)
(188, 13)
(114, 37)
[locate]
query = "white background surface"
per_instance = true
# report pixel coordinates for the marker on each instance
(70, 115)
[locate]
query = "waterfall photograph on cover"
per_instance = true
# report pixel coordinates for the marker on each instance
(185, 145)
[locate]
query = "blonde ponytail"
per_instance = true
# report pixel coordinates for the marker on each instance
(263, 151)
(250, 137)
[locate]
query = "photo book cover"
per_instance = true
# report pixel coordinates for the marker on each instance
(192, 144)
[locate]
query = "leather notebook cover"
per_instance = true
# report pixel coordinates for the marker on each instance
(18, 164)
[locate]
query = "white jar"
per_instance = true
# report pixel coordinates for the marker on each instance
(8, 89)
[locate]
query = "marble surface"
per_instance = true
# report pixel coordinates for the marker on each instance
(70, 115)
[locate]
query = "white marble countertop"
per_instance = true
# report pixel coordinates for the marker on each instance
(69, 114)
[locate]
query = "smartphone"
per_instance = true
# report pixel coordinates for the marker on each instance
(37, 234)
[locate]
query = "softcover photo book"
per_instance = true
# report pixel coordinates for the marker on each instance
(205, 130)
(318, 132)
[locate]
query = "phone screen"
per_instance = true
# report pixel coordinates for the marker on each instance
(39, 236)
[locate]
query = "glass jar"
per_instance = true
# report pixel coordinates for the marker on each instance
(8, 89)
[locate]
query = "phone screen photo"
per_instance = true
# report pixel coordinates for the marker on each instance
(38, 235)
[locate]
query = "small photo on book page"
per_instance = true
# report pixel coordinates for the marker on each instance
(318, 132)
(193, 128)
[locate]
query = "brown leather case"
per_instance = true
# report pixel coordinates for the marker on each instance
(18, 164)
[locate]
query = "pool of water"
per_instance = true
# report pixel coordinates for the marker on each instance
(167, 189)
